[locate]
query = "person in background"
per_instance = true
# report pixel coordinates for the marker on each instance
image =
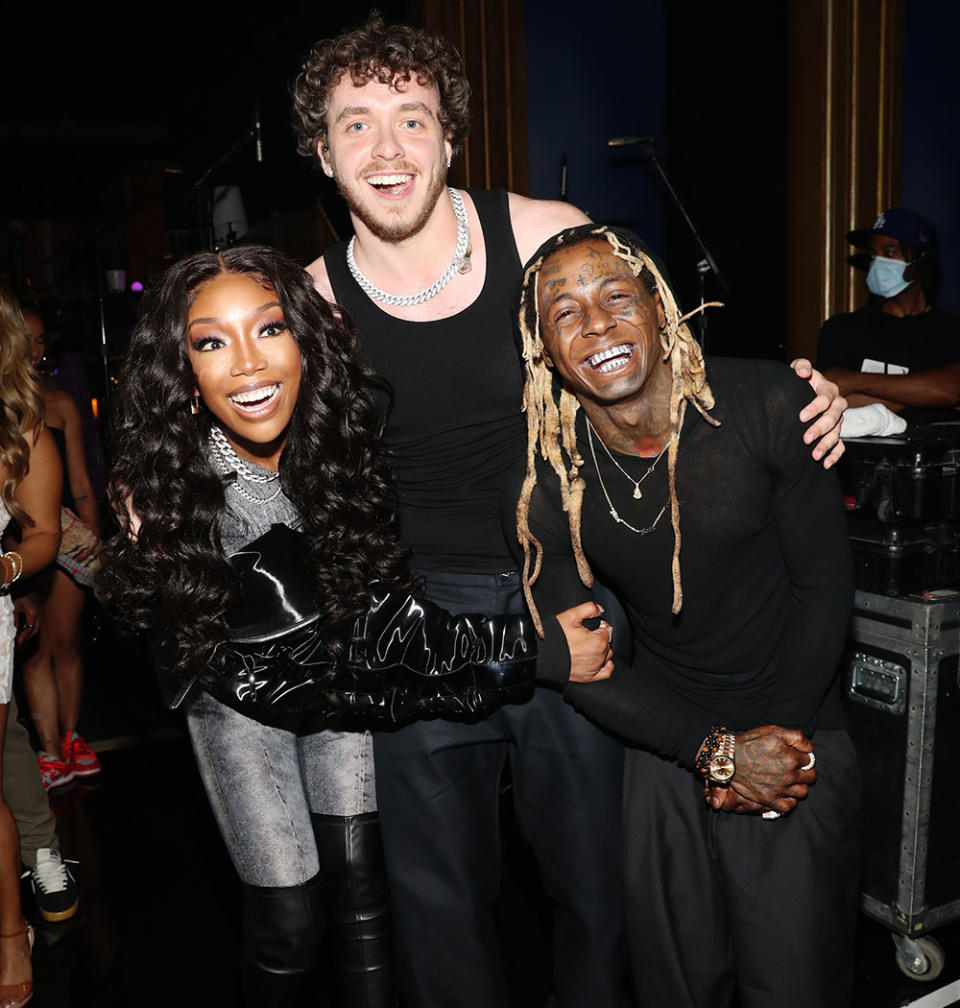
(51, 879)
(55, 355)
(50, 875)
(900, 350)
(53, 672)
(29, 492)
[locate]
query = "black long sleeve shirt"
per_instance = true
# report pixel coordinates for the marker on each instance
(765, 566)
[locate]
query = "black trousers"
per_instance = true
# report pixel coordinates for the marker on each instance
(718, 902)
(438, 797)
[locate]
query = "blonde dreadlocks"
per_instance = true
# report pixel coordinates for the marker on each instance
(551, 423)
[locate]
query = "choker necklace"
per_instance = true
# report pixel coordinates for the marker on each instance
(637, 493)
(613, 511)
(223, 451)
(459, 264)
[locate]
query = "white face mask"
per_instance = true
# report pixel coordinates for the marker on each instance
(885, 277)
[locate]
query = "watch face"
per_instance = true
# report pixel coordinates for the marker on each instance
(721, 769)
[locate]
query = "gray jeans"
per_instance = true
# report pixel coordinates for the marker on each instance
(263, 783)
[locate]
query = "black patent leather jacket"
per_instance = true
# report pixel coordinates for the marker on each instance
(416, 660)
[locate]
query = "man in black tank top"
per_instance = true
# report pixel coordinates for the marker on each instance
(430, 280)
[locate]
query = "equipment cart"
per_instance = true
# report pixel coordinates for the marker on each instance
(903, 704)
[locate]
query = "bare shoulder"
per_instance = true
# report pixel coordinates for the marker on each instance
(43, 449)
(534, 221)
(57, 406)
(67, 404)
(321, 281)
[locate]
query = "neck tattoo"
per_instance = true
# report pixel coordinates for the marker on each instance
(459, 264)
(637, 492)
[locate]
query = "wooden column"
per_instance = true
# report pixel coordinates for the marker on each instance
(490, 37)
(846, 71)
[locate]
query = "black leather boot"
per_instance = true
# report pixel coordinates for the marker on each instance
(361, 936)
(282, 930)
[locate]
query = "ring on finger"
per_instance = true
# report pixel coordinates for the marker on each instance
(771, 814)
(811, 763)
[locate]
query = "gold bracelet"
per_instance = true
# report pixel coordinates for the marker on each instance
(16, 565)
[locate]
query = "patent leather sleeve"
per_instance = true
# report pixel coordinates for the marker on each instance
(412, 660)
(418, 660)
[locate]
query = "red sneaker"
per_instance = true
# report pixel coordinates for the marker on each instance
(54, 772)
(79, 757)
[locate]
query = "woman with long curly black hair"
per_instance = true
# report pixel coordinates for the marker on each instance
(165, 468)
(244, 413)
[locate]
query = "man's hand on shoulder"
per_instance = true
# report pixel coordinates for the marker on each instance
(534, 221)
(827, 408)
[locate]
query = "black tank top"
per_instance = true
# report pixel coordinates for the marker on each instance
(456, 427)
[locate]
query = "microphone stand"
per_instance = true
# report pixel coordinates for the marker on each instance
(707, 264)
(204, 192)
(107, 411)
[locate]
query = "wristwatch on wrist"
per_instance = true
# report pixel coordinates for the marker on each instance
(716, 759)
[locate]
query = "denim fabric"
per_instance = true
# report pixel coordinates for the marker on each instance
(263, 783)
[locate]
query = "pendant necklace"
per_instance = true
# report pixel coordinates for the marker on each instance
(459, 264)
(636, 493)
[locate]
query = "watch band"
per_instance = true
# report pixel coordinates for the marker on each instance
(716, 759)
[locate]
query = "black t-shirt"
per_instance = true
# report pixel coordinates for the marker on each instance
(874, 340)
(765, 566)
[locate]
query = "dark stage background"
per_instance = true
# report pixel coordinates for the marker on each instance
(106, 126)
(110, 113)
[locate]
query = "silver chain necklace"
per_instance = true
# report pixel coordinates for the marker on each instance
(229, 460)
(459, 264)
(613, 511)
(637, 493)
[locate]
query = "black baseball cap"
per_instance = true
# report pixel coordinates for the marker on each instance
(906, 226)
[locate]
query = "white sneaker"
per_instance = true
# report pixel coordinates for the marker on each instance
(54, 888)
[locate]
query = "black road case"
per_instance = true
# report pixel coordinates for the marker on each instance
(903, 705)
(901, 479)
(903, 559)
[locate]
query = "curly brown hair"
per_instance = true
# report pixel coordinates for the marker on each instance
(389, 54)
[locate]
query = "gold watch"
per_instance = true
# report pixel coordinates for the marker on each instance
(716, 759)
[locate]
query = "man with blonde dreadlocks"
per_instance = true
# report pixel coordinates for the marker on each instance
(731, 558)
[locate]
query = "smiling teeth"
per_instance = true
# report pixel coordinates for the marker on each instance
(254, 395)
(595, 360)
(388, 179)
